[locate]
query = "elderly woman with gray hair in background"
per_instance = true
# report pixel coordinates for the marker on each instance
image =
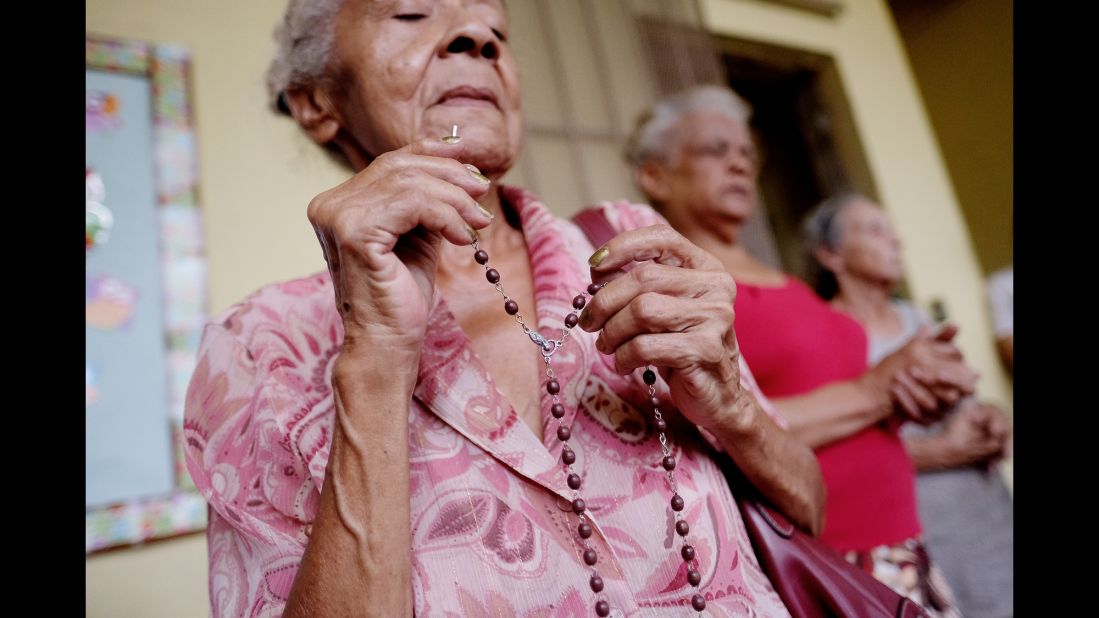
(964, 505)
(694, 158)
(452, 419)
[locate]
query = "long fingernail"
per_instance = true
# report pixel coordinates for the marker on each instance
(597, 258)
(473, 235)
(453, 138)
(476, 173)
(486, 212)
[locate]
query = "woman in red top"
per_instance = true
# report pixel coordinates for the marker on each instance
(693, 157)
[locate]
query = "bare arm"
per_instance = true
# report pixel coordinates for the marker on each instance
(976, 433)
(358, 559)
(783, 468)
(835, 411)
(358, 562)
(918, 382)
(930, 453)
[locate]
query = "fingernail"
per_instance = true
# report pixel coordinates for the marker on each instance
(486, 212)
(473, 236)
(585, 320)
(597, 258)
(453, 138)
(476, 173)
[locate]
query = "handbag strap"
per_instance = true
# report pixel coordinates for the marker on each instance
(595, 225)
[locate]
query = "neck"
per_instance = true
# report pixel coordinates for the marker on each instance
(499, 238)
(865, 300)
(719, 240)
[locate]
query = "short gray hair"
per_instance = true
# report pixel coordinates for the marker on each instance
(304, 42)
(822, 230)
(650, 137)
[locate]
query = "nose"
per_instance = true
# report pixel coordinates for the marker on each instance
(742, 160)
(740, 164)
(472, 36)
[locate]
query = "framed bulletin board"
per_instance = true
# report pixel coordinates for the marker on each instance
(145, 291)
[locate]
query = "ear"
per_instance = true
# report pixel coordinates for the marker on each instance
(654, 181)
(829, 259)
(312, 107)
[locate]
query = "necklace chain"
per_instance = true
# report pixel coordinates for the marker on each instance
(547, 348)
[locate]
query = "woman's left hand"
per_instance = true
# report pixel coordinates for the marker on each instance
(673, 311)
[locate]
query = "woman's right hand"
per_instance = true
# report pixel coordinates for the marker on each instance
(927, 376)
(380, 233)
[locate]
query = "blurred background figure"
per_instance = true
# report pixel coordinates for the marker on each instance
(964, 505)
(694, 158)
(1001, 295)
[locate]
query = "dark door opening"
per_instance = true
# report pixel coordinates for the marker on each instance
(808, 145)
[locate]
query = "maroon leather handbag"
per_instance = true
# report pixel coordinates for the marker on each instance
(813, 580)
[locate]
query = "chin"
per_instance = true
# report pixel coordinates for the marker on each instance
(492, 154)
(891, 279)
(738, 210)
(467, 117)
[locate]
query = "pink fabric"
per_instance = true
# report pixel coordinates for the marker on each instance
(798, 343)
(490, 533)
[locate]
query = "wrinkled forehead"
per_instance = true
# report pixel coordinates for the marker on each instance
(381, 7)
(699, 124)
(862, 214)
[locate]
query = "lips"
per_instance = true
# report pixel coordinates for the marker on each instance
(738, 189)
(469, 95)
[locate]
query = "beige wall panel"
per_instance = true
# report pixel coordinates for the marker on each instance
(553, 161)
(541, 104)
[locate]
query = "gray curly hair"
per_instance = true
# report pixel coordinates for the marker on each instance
(304, 42)
(650, 137)
(822, 230)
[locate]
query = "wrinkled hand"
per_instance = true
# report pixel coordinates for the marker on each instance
(673, 310)
(999, 427)
(927, 376)
(977, 433)
(380, 232)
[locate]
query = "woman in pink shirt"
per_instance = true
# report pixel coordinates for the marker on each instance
(694, 158)
(457, 423)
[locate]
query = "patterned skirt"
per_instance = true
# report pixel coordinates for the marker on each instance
(906, 568)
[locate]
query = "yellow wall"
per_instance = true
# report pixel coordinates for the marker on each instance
(961, 54)
(256, 174)
(165, 579)
(904, 157)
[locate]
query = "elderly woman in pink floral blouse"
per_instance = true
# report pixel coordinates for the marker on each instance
(451, 422)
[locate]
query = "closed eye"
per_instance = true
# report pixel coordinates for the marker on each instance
(410, 16)
(500, 35)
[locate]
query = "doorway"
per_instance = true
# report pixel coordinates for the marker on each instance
(809, 147)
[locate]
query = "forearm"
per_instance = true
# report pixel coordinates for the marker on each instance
(835, 411)
(358, 561)
(931, 453)
(782, 468)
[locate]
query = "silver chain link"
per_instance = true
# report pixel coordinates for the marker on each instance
(546, 358)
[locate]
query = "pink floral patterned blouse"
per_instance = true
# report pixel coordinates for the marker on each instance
(492, 533)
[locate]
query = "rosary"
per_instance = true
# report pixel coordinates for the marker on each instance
(547, 348)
